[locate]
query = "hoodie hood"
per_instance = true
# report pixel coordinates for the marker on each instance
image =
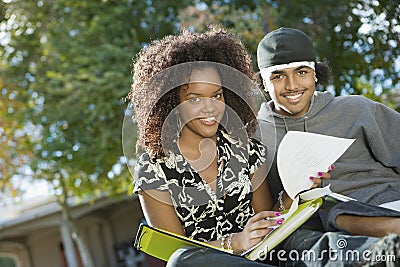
(318, 102)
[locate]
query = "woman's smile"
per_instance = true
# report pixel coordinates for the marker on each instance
(210, 121)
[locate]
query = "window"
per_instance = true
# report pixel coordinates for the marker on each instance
(7, 261)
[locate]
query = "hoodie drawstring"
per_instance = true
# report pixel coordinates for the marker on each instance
(305, 123)
(305, 128)
(286, 126)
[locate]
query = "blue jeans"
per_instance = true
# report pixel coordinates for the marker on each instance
(332, 246)
(200, 257)
(312, 248)
(303, 247)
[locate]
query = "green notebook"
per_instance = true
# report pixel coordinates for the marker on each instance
(301, 215)
(161, 244)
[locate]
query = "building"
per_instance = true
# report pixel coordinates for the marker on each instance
(33, 234)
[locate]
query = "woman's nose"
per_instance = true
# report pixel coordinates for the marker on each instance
(208, 105)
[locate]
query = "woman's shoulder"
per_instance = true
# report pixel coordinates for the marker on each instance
(144, 159)
(146, 164)
(169, 164)
(149, 174)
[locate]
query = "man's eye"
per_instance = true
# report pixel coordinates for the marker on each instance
(303, 72)
(276, 77)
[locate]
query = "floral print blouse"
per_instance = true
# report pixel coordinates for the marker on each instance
(206, 214)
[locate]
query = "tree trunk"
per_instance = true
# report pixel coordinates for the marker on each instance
(74, 232)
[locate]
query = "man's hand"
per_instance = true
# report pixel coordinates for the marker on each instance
(321, 175)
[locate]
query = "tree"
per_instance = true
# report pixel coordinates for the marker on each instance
(248, 20)
(15, 146)
(66, 66)
(69, 63)
(358, 38)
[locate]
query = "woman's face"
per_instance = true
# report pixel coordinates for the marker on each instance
(201, 104)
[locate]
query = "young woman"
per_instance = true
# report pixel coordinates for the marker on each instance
(201, 174)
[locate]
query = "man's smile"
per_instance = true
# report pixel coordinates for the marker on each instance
(293, 95)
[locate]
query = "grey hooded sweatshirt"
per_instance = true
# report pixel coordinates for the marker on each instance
(370, 169)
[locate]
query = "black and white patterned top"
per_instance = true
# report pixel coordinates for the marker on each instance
(206, 214)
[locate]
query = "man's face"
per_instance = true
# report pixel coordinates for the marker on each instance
(291, 90)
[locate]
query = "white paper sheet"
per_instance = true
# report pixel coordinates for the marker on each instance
(316, 192)
(394, 205)
(301, 155)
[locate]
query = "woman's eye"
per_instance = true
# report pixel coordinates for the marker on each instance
(194, 100)
(218, 96)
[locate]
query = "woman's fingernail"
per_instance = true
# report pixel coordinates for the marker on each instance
(279, 222)
(331, 167)
(311, 178)
(319, 174)
(278, 214)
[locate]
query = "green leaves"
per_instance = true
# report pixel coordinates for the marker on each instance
(355, 37)
(66, 65)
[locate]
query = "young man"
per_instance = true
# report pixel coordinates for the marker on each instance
(368, 171)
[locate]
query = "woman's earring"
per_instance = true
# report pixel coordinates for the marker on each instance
(227, 117)
(225, 122)
(178, 124)
(316, 79)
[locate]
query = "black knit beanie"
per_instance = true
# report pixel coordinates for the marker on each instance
(283, 46)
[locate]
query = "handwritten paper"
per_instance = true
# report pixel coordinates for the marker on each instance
(301, 155)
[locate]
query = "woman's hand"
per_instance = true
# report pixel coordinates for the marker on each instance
(321, 175)
(257, 227)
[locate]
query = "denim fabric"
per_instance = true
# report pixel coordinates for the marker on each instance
(355, 208)
(312, 248)
(331, 246)
(304, 247)
(200, 257)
